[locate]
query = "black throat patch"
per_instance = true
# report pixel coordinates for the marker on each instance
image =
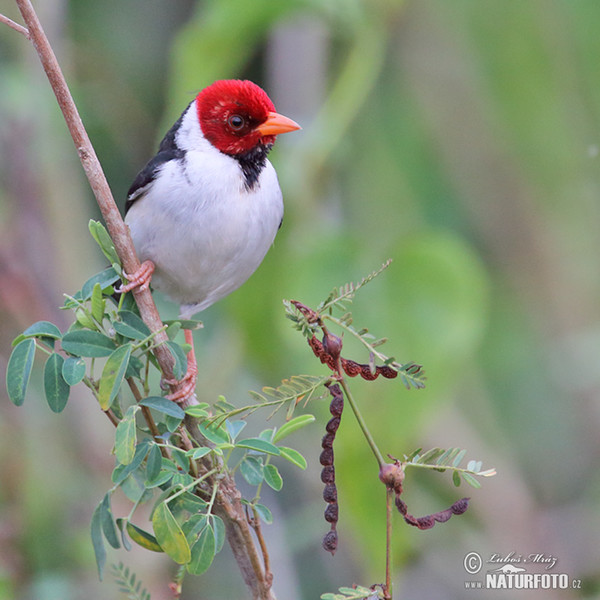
(252, 163)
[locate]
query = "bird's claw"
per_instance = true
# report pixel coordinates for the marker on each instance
(139, 280)
(186, 387)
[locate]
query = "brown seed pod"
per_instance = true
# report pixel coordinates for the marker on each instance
(331, 513)
(332, 425)
(327, 441)
(330, 493)
(330, 541)
(326, 457)
(328, 474)
(332, 345)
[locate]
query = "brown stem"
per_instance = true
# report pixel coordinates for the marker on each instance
(117, 229)
(263, 546)
(22, 30)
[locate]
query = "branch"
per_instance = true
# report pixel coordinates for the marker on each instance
(117, 229)
(19, 28)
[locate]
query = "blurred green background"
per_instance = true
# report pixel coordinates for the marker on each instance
(461, 138)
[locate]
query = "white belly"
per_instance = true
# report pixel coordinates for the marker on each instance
(206, 234)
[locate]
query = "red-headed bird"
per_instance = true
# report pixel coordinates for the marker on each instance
(205, 210)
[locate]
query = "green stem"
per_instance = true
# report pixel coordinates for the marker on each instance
(389, 503)
(362, 423)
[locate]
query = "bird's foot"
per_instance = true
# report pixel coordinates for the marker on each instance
(139, 280)
(187, 386)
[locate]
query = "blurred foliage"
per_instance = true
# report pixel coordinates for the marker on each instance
(461, 139)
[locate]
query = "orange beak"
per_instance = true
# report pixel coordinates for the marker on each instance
(276, 124)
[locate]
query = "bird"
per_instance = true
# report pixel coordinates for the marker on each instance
(204, 211)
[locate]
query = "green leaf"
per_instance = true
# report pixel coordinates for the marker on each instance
(98, 303)
(99, 233)
(121, 471)
(198, 453)
(458, 458)
(272, 477)
(108, 523)
(293, 456)
(203, 552)
(56, 389)
(18, 370)
(216, 435)
(143, 538)
(471, 480)
(456, 478)
(41, 330)
(98, 541)
(197, 411)
(73, 370)
(258, 445)
(87, 343)
(154, 463)
(121, 525)
(219, 530)
(169, 534)
(131, 326)
(112, 375)
(125, 437)
(252, 470)
(105, 278)
(190, 324)
(293, 425)
(164, 406)
(234, 428)
(180, 366)
(264, 513)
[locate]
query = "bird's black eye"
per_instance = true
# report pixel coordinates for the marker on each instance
(236, 122)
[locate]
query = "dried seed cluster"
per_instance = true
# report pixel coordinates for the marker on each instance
(392, 475)
(324, 353)
(336, 407)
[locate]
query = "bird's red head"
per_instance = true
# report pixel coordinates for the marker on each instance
(236, 116)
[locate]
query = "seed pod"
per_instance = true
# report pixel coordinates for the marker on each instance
(328, 474)
(332, 345)
(337, 406)
(330, 493)
(331, 513)
(330, 541)
(332, 425)
(387, 372)
(327, 441)
(326, 457)
(351, 368)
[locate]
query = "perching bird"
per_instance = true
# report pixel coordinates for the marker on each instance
(205, 210)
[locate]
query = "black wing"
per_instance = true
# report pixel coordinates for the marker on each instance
(167, 151)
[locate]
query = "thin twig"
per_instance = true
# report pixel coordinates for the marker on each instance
(389, 504)
(22, 30)
(263, 546)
